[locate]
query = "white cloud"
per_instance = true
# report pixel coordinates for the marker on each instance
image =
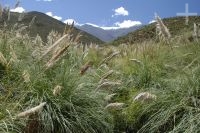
(57, 17)
(94, 25)
(152, 21)
(118, 25)
(18, 9)
(127, 23)
(110, 28)
(120, 11)
(70, 21)
(51, 15)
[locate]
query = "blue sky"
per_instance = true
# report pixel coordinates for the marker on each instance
(107, 13)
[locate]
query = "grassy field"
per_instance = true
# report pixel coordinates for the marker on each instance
(65, 87)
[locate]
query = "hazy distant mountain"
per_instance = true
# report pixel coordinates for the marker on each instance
(107, 35)
(43, 24)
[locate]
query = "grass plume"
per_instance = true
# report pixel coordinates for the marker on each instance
(162, 30)
(31, 111)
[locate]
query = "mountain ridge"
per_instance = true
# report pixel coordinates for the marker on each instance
(108, 34)
(44, 24)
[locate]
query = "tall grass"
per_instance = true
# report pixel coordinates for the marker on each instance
(26, 83)
(62, 86)
(172, 75)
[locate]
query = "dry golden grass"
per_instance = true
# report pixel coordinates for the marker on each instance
(31, 111)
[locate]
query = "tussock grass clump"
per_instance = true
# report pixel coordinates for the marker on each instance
(62, 86)
(27, 83)
(85, 67)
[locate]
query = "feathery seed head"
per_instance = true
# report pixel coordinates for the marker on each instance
(26, 76)
(17, 4)
(52, 47)
(162, 30)
(106, 75)
(57, 56)
(110, 57)
(38, 41)
(145, 97)
(3, 60)
(57, 90)
(31, 111)
(136, 61)
(13, 55)
(109, 97)
(107, 84)
(32, 21)
(115, 106)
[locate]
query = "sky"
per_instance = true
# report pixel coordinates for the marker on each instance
(106, 13)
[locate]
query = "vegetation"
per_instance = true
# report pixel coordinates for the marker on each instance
(69, 100)
(62, 86)
(42, 25)
(176, 26)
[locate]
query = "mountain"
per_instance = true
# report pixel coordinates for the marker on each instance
(106, 35)
(44, 24)
(176, 26)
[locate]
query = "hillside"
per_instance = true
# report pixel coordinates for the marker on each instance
(44, 24)
(144, 88)
(176, 26)
(108, 34)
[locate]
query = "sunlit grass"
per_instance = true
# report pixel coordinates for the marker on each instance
(151, 86)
